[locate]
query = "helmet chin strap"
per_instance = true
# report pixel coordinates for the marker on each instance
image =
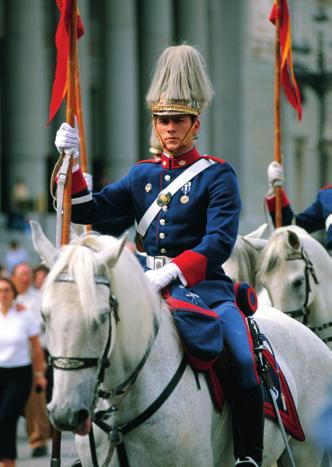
(183, 142)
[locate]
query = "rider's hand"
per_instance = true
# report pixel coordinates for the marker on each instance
(275, 174)
(67, 140)
(160, 278)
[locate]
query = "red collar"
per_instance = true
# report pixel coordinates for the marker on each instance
(179, 162)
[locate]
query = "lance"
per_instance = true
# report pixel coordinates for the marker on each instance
(277, 133)
(80, 122)
(66, 169)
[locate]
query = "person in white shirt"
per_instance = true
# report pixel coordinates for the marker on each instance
(38, 426)
(20, 355)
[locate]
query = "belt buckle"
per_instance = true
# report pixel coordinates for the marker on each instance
(159, 262)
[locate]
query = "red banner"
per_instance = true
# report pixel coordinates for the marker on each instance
(287, 76)
(62, 45)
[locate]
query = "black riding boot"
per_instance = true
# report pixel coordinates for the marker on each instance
(248, 425)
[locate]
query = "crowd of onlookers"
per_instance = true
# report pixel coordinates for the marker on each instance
(25, 383)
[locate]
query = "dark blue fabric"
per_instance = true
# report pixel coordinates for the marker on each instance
(207, 224)
(313, 217)
(204, 336)
(236, 335)
(201, 334)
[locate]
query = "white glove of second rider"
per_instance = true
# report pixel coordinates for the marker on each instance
(67, 140)
(275, 174)
(159, 278)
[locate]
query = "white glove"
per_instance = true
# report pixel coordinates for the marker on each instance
(275, 174)
(89, 180)
(159, 278)
(67, 140)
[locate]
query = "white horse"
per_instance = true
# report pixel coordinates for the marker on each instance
(296, 270)
(104, 320)
(282, 267)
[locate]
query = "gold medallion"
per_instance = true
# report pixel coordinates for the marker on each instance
(148, 187)
(184, 199)
(164, 199)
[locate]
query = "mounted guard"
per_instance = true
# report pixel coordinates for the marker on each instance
(186, 206)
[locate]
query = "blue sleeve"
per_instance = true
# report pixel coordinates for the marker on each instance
(223, 217)
(111, 203)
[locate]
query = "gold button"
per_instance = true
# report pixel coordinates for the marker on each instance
(182, 162)
(162, 221)
(163, 250)
(162, 235)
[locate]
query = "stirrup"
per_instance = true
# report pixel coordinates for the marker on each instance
(246, 461)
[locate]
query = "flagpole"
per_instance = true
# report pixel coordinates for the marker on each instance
(65, 234)
(277, 132)
(70, 118)
(80, 122)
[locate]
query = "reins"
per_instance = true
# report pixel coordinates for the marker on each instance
(115, 432)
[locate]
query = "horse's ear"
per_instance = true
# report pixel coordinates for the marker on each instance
(111, 254)
(293, 240)
(258, 233)
(42, 245)
(256, 243)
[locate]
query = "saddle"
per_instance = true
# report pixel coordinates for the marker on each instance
(202, 357)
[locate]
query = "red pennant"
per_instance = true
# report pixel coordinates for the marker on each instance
(62, 40)
(287, 76)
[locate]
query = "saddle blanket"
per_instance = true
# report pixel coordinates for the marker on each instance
(286, 405)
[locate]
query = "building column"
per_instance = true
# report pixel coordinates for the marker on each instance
(27, 95)
(192, 27)
(119, 87)
(155, 34)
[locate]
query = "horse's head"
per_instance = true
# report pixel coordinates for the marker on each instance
(286, 270)
(241, 265)
(79, 311)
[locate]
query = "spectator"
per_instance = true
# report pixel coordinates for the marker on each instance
(39, 274)
(35, 411)
(20, 351)
(15, 255)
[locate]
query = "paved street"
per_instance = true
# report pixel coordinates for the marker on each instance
(68, 451)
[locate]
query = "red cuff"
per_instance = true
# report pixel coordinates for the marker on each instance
(192, 265)
(271, 201)
(78, 182)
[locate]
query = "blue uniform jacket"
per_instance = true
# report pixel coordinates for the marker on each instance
(197, 229)
(313, 218)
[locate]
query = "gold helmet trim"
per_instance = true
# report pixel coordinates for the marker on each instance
(173, 108)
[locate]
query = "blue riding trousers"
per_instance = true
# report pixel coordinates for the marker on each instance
(237, 337)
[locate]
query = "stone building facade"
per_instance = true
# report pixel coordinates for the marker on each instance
(117, 54)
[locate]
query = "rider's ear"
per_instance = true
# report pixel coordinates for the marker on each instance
(111, 254)
(42, 245)
(293, 240)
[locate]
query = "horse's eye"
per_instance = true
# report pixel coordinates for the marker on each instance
(103, 317)
(298, 283)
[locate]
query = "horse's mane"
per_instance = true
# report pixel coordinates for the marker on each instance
(277, 249)
(79, 260)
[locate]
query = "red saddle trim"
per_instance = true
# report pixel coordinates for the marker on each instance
(290, 417)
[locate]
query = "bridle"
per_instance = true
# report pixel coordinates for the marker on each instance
(78, 363)
(309, 271)
(305, 311)
(115, 432)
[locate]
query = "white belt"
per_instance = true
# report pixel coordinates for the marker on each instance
(328, 221)
(157, 262)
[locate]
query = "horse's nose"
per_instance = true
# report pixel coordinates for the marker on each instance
(79, 417)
